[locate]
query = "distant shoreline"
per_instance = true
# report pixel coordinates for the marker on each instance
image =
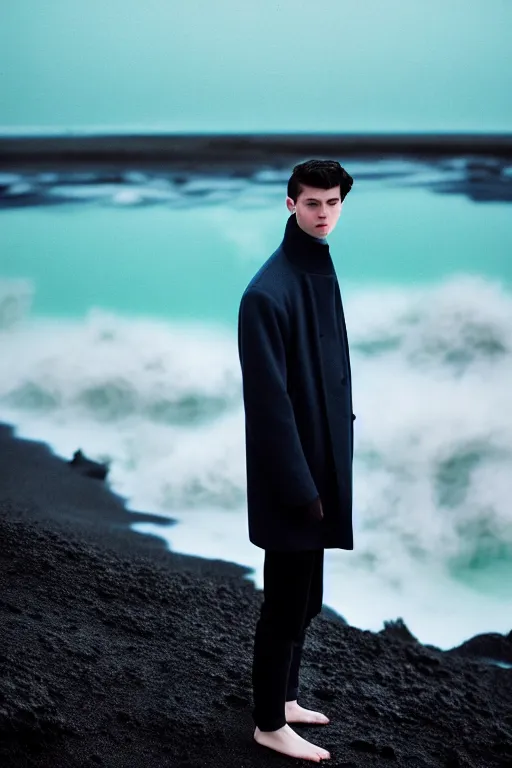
(246, 151)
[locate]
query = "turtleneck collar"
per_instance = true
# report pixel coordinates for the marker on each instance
(307, 253)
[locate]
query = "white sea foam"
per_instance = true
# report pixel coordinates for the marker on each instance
(432, 371)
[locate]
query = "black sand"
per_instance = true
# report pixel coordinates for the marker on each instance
(115, 652)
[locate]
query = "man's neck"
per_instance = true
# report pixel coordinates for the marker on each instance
(306, 251)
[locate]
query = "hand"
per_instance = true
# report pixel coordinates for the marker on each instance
(315, 510)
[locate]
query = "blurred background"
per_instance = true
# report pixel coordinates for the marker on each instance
(121, 271)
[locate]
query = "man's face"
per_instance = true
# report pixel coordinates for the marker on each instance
(317, 210)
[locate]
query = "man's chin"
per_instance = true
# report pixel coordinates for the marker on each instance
(314, 231)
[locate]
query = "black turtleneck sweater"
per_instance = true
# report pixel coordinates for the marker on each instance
(297, 398)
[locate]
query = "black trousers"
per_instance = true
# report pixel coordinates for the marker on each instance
(293, 595)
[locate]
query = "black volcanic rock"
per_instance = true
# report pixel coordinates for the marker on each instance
(398, 630)
(489, 646)
(115, 652)
(87, 467)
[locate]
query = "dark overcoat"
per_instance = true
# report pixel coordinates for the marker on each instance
(297, 394)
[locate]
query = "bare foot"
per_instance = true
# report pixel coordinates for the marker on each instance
(286, 741)
(297, 714)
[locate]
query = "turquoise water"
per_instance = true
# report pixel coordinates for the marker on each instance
(194, 263)
(118, 335)
(266, 66)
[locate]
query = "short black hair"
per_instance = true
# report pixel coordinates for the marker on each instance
(322, 174)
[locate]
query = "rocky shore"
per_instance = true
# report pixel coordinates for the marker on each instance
(115, 652)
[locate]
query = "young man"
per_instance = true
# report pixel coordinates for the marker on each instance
(294, 356)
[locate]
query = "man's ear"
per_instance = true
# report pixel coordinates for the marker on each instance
(290, 204)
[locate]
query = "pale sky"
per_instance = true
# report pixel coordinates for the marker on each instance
(225, 65)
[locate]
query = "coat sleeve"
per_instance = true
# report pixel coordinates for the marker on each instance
(271, 430)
